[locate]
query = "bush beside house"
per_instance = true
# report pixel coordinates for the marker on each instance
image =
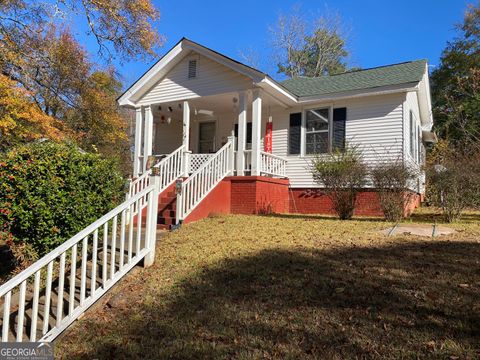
(391, 180)
(343, 173)
(453, 180)
(49, 192)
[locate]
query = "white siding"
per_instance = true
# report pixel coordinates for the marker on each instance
(168, 137)
(224, 123)
(374, 124)
(212, 78)
(411, 104)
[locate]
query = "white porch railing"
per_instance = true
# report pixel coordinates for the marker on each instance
(273, 165)
(201, 182)
(170, 168)
(43, 300)
(197, 160)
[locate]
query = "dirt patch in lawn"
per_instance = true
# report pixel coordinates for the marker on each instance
(292, 287)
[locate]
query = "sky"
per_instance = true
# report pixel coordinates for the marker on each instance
(379, 32)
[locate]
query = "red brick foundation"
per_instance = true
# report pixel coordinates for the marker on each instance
(259, 195)
(218, 201)
(315, 201)
(262, 195)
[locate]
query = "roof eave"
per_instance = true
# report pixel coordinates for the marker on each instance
(380, 90)
(129, 97)
(425, 100)
(126, 99)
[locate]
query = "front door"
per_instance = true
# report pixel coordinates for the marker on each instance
(206, 137)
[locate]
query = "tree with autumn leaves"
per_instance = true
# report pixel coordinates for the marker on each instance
(52, 88)
(49, 85)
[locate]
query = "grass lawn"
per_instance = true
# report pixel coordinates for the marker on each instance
(293, 287)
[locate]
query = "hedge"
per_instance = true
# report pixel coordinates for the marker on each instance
(51, 191)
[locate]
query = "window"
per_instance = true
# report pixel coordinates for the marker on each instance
(192, 69)
(317, 126)
(419, 144)
(412, 135)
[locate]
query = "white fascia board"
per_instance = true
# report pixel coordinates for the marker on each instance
(359, 93)
(287, 97)
(425, 101)
(150, 76)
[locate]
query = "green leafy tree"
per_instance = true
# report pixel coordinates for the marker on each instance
(456, 84)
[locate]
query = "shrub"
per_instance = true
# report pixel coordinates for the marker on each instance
(391, 180)
(49, 192)
(454, 183)
(343, 174)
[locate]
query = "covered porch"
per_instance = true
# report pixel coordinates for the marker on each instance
(203, 125)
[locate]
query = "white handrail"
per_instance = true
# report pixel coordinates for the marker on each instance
(202, 181)
(112, 236)
(273, 165)
(170, 169)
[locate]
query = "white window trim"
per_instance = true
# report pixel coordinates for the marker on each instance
(303, 132)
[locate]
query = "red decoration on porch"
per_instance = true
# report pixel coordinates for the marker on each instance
(268, 136)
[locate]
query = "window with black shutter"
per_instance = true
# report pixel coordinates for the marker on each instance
(339, 122)
(294, 134)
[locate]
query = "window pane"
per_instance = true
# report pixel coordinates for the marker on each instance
(317, 119)
(317, 143)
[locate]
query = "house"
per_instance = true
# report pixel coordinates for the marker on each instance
(230, 139)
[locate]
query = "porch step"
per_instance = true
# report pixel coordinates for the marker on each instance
(167, 206)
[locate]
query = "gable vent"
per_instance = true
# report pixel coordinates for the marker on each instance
(192, 69)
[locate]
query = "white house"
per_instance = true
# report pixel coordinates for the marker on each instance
(212, 115)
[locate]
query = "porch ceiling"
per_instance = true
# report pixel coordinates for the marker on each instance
(202, 106)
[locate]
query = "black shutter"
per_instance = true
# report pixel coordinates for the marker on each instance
(295, 132)
(339, 120)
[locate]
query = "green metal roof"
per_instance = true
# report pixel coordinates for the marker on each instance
(407, 72)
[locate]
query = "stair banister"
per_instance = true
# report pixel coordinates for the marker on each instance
(199, 184)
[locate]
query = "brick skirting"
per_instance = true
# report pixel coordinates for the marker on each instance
(259, 194)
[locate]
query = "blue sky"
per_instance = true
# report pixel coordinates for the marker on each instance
(380, 32)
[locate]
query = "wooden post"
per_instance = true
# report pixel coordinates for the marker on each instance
(186, 138)
(138, 142)
(148, 137)
(151, 226)
(256, 131)
(242, 133)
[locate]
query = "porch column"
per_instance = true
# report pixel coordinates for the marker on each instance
(186, 137)
(242, 133)
(148, 136)
(256, 131)
(137, 165)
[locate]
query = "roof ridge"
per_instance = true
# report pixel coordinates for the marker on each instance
(356, 71)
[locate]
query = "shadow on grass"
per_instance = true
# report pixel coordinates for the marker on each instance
(398, 301)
